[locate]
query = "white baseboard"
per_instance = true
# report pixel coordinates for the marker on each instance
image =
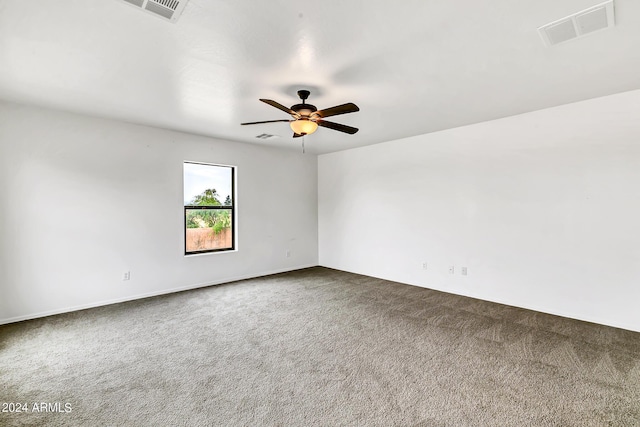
(446, 289)
(568, 315)
(147, 295)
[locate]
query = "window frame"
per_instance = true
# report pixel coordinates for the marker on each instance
(231, 208)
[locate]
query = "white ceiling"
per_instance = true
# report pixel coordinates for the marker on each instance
(412, 66)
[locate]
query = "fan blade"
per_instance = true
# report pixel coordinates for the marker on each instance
(297, 135)
(337, 126)
(279, 106)
(268, 121)
(338, 109)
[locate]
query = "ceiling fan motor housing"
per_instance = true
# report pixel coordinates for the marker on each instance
(304, 109)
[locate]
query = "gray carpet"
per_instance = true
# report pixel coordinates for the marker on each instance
(318, 347)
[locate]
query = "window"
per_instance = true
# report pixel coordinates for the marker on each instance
(209, 217)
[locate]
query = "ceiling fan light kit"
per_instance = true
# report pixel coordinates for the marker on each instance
(307, 118)
(303, 126)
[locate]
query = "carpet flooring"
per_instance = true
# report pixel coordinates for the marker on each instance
(317, 347)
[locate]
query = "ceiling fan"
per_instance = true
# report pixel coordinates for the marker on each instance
(307, 118)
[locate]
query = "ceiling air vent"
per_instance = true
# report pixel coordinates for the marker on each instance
(266, 136)
(587, 21)
(166, 9)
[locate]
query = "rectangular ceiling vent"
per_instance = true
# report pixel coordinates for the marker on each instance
(266, 136)
(579, 24)
(169, 10)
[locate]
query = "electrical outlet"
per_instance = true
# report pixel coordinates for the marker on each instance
(452, 270)
(126, 276)
(424, 265)
(463, 271)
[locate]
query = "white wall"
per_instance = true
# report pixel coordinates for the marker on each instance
(543, 208)
(82, 200)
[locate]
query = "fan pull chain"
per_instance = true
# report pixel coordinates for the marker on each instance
(303, 145)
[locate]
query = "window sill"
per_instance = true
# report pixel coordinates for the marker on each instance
(210, 253)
